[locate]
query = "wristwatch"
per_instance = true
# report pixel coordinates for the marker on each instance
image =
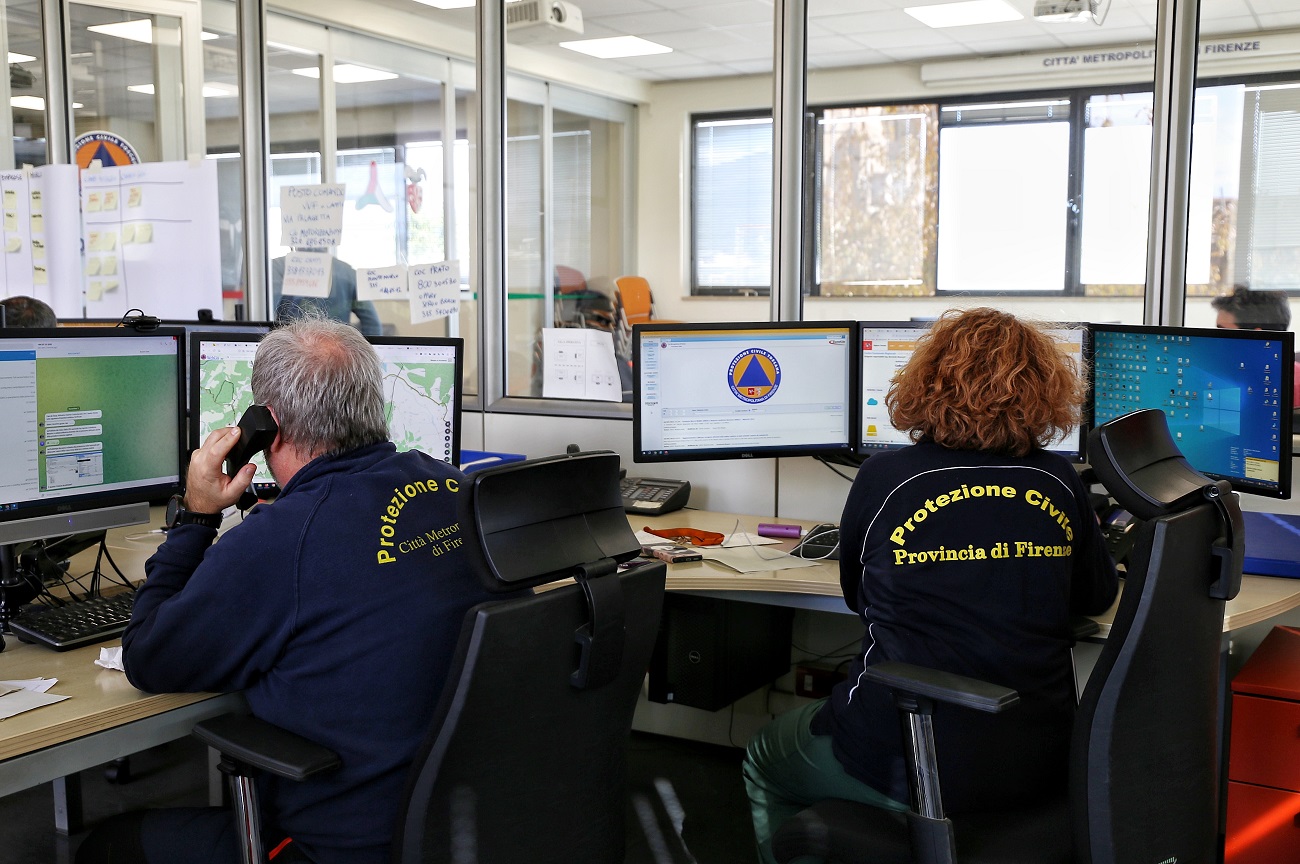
(178, 515)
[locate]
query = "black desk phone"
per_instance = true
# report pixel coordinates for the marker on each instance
(257, 429)
(653, 496)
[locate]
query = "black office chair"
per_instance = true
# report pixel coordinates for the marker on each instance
(1143, 785)
(525, 759)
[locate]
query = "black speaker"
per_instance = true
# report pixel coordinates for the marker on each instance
(711, 652)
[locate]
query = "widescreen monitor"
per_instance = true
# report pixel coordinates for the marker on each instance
(421, 380)
(722, 391)
(886, 346)
(92, 427)
(1226, 393)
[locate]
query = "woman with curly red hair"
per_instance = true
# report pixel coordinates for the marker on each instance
(969, 552)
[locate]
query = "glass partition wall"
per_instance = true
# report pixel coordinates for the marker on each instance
(946, 163)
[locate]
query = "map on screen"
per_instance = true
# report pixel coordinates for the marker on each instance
(419, 382)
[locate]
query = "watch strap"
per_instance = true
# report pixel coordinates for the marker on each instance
(207, 520)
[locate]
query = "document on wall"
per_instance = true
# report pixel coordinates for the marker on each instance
(312, 216)
(435, 290)
(15, 211)
(40, 230)
(55, 214)
(382, 283)
(307, 274)
(579, 364)
(152, 239)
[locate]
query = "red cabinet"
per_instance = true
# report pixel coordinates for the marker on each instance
(1264, 755)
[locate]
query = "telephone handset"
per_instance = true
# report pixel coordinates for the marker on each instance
(1119, 528)
(257, 429)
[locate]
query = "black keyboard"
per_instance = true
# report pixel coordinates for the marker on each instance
(81, 622)
(820, 543)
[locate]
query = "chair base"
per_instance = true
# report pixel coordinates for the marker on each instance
(850, 833)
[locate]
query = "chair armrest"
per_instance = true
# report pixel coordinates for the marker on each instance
(943, 686)
(255, 742)
(1081, 627)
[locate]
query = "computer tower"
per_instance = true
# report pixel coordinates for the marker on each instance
(711, 652)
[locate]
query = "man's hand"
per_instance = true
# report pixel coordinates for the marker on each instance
(207, 489)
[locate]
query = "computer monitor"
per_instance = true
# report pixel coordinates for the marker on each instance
(92, 425)
(421, 378)
(1226, 393)
(886, 346)
(722, 391)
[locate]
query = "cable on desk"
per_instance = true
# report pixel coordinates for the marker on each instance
(755, 548)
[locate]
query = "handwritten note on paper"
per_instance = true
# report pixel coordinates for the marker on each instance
(579, 364)
(435, 291)
(382, 283)
(312, 216)
(307, 274)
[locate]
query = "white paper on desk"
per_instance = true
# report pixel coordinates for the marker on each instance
(36, 685)
(111, 658)
(748, 559)
(19, 701)
(742, 538)
(579, 364)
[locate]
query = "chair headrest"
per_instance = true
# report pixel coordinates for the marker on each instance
(1142, 468)
(540, 520)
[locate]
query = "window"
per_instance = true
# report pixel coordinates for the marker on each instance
(732, 199)
(877, 168)
(1024, 196)
(1003, 191)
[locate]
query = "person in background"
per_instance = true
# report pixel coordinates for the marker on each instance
(967, 552)
(318, 607)
(1245, 309)
(22, 311)
(341, 305)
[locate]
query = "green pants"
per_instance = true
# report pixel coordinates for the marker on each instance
(787, 768)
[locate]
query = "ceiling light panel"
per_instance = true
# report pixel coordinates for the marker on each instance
(965, 13)
(139, 30)
(617, 46)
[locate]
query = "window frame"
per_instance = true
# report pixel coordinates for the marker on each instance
(1077, 99)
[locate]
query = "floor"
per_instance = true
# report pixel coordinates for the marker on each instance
(686, 803)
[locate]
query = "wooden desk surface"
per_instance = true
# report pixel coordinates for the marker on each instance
(1261, 597)
(100, 699)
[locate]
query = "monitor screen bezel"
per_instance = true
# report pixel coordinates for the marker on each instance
(859, 446)
(457, 382)
(199, 336)
(1078, 455)
(846, 449)
(1285, 454)
(44, 515)
(192, 372)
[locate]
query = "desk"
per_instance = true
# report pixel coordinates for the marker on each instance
(1261, 599)
(105, 717)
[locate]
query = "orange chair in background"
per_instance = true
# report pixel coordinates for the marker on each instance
(635, 302)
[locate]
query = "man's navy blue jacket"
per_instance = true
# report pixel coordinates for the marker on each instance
(336, 610)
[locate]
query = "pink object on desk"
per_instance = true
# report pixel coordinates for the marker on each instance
(771, 529)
